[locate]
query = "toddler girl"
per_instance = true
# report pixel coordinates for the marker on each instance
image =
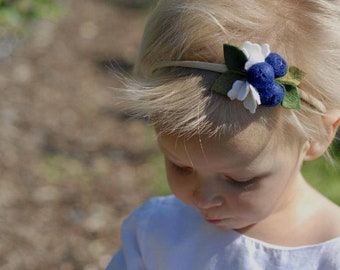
(240, 93)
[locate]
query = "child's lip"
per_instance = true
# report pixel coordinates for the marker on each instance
(214, 221)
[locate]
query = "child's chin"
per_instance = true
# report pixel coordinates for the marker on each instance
(230, 224)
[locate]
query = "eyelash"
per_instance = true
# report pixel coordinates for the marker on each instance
(182, 170)
(241, 184)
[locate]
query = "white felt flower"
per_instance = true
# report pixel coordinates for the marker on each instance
(255, 53)
(244, 91)
(252, 100)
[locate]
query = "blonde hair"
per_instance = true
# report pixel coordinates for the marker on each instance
(179, 100)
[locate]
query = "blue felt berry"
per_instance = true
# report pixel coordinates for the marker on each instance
(260, 75)
(271, 95)
(278, 63)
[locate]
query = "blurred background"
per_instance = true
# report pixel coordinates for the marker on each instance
(72, 164)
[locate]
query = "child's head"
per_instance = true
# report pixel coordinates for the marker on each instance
(206, 137)
(180, 100)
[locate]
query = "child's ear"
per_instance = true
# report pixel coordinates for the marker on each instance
(315, 149)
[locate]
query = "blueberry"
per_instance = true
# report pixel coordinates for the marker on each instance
(260, 75)
(271, 95)
(278, 63)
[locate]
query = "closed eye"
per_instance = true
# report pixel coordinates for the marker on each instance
(241, 183)
(181, 169)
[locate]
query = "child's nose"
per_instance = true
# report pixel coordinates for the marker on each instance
(206, 197)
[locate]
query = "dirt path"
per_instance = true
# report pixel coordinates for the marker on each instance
(71, 165)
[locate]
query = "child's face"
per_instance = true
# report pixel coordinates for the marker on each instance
(234, 183)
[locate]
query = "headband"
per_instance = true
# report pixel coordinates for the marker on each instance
(254, 75)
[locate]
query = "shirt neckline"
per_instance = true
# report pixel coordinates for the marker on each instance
(278, 247)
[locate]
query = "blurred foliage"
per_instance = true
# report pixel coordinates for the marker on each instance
(16, 14)
(324, 177)
(159, 182)
(135, 4)
(335, 149)
(56, 169)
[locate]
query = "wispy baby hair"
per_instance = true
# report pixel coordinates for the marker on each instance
(179, 100)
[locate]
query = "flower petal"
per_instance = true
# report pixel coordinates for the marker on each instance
(246, 48)
(255, 94)
(254, 59)
(255, 53)
(250, 104)
(243, 93)
(250, 48)
(252, 100)
(237, 87)
(265, 50)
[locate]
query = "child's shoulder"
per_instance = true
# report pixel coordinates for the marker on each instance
(163, 209)
(163, 220)
(163, 205)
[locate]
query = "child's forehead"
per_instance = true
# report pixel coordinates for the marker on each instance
(251, 142)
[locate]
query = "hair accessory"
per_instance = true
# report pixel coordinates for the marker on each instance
(255, 76)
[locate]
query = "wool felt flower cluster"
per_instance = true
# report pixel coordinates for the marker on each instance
(256, 76)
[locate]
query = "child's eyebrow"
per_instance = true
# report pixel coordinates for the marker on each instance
(168, 154)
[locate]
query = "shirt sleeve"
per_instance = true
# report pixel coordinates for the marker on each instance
(129, 256)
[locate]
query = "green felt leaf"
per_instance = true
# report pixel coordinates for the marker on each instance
(234, 58)
(225, 82)
(291, 98)
(294, 76)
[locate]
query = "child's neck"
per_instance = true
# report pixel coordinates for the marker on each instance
(307, 218)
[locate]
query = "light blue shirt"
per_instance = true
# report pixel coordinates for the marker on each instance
(165, 234)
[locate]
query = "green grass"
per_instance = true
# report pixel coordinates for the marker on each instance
(325, 177)
(16, 14)
(159, 182)
(59, 169)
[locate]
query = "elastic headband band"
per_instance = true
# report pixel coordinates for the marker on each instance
(255, 76)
